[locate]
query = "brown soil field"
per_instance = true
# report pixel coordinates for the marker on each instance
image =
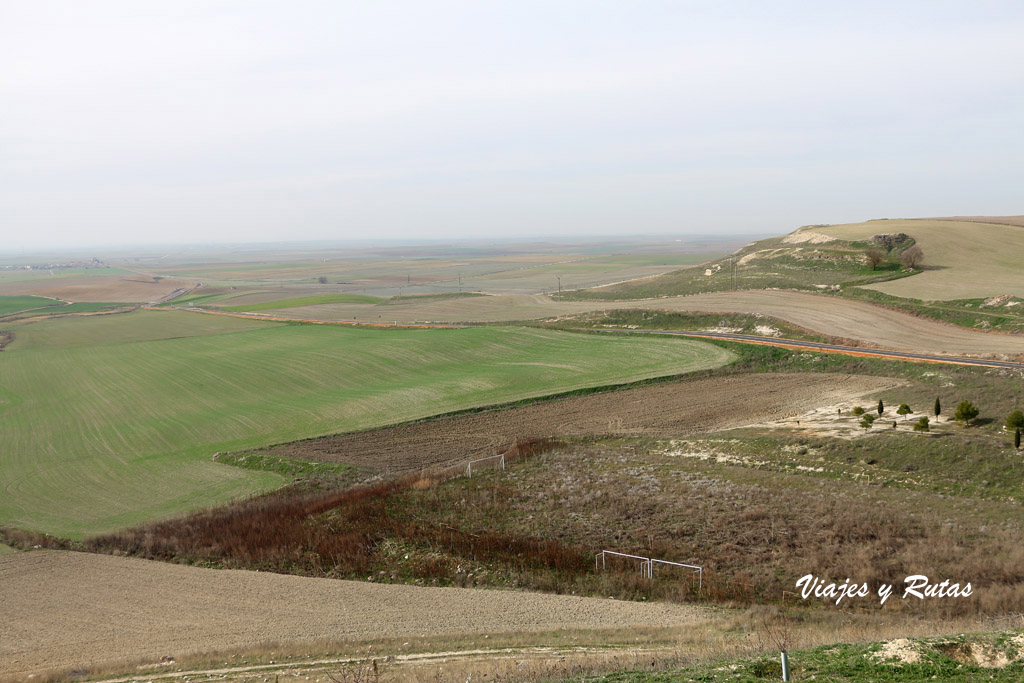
(828, 315)
(962, 259)
(669, 410)
(66, 610)
(118, 288)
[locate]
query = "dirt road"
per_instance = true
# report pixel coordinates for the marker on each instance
(827, 315)
(64, 610)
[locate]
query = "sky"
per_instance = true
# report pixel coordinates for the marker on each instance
(143, 122)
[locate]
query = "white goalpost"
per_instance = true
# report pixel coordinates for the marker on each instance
(647, 564)
(469, 465)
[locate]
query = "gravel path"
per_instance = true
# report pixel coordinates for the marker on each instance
(64, 609)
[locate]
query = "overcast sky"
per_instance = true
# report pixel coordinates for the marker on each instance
(235, 121)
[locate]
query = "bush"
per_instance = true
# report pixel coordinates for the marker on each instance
(866, 421)
(912, 257)
(922, 424)
(966, 411)
(858, 411)
(1015, 420)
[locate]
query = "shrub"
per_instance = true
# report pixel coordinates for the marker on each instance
(966, 411)
(867, 420)
(858, 411)
(1015, 420)
(922, 424)
(912, 257)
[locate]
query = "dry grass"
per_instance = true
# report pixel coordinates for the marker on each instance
(523, 657)
(963, 260)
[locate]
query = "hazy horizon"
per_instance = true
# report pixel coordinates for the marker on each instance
(255, 123)
(285, 249)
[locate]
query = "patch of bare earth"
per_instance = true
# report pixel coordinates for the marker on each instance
(63, 610)
(119, 288)
(899, 651)
(669, 410)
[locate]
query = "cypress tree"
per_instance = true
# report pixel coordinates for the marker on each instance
(938, 407)
(881, 407)
(1016, 439)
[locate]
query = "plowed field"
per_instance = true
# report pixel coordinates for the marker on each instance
(126, 287)
(66, 610)
(668, 410)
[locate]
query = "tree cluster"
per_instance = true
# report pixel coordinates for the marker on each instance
(891, 241)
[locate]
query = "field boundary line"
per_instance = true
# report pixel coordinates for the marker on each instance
(824, 348)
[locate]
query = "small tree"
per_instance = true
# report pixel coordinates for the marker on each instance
(1015, 420)
(922, 424)
(966, 411)
(322, 279)
(874, 257)
(911, 258)
(867, 421)
(858, 411)
(904, 410)
(881, 407)
(938, 408)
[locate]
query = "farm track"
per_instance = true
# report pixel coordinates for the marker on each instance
(835, 317)
(670, 409)
(833, 348)
(67, 610)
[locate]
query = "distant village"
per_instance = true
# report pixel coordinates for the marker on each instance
(93, 263)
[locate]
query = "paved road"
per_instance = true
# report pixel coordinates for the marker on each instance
(832, 348)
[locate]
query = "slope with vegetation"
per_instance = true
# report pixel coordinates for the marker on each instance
(960, 272)
(111, 420)
(804, 260)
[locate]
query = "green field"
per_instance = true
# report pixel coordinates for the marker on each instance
(13, 304)
(41, 306)
(137, 326)
(298, 302)
(109, 421)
